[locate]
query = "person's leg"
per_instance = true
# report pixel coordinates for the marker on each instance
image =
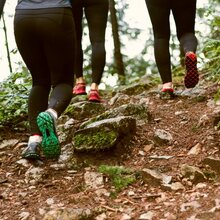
(184, 14)
(59, 45)
(80, 85)
(159, 12)
(58, 34)
(31, 50)
(96, 14)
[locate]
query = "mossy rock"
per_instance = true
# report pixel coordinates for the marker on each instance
(135, 110)
(103, 134)
(82, 110)
(95, 140)
(136, 89)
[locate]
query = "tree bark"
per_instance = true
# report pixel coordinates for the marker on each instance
(117, 44)
(6, 44)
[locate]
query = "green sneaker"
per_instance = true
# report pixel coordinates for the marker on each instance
(50, 142)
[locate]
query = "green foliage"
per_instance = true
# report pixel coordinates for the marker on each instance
(216, 98)
(14, 93)
(212, 53)
(119, 176)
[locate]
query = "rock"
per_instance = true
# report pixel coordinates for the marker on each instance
(69, 124)
(163, 157)
(213, 163)
(170, 216)
(162, 137)
(216, 116)
(193, 204)
(35, 173)
(201, 186)
(102, 192)
(125, 217)
(23, 162)
(193, 173)
(104, 134)
(174, 186)
(136, 88)
(146, 216)
(148, 147)
(8, 143)
(60, 166)
(50, 201)
(119, 99)
(102, 216)
(67, 214)
(204, 119)
(93, 180)
(82, 110)
(24, 215)
(195, 150)
(155, 178)
(136, 111)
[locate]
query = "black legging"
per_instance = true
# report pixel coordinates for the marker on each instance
(45, 39)
(184, 15)
(96, 12)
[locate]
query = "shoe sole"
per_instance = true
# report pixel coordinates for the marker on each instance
(94, 100)
(50, 142)
(31, 156)
(192, 77)
(84, 93)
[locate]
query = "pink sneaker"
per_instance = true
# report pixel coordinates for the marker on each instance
(79, 89)
(94, 96)
(191, 77)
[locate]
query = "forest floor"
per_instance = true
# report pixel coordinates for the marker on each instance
(62, 187)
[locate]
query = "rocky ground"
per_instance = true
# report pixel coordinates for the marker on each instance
(172, 166)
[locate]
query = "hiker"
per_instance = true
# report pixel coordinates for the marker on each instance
(184, 16)
(45, 36)
(96, 13)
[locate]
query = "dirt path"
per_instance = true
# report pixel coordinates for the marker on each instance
(63, 187)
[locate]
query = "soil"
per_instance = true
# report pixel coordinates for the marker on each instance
(179, 117)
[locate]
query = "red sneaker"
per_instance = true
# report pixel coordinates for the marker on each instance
(167, 93)
(79, 89)
(192, 77)
(94, 96)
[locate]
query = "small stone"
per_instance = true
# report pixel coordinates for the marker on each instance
(148, 147)
(125, 217)
(103, 216)
(24, 215)
(195, 150)
(146, 216)
(50, 201)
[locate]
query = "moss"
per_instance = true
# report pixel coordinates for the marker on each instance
(119, 176)
(98, 140)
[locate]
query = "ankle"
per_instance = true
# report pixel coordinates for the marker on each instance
(167, 85)
(35, 138)
(94, 86)
(80, 80)
(52, 112)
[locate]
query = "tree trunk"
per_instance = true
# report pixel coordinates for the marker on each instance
(6, 43)
(2, 3)
(117, 43)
